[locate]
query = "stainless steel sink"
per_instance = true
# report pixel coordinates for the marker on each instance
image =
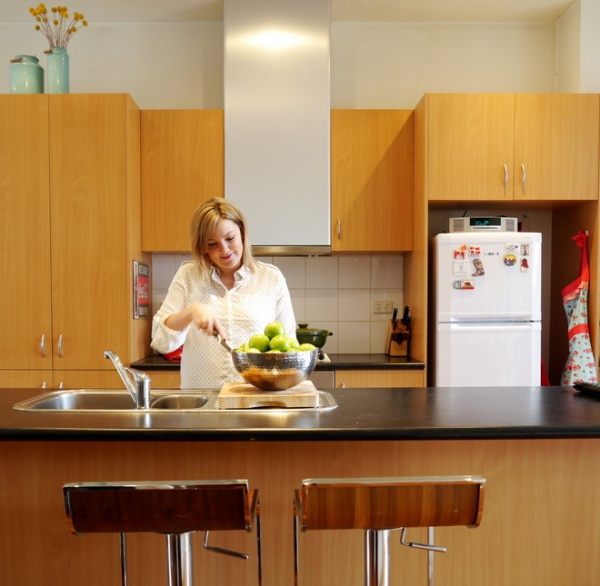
(111, 400)
(119, 401)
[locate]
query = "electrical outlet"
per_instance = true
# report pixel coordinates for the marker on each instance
(383, 306)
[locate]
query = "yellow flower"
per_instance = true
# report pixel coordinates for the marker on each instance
(59, 30)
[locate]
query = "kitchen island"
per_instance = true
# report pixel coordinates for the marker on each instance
(539, 449)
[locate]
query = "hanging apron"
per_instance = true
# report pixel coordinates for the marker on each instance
(580, 365)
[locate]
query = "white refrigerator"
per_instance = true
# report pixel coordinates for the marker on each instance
(487, 319)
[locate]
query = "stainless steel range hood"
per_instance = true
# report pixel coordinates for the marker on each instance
(277, 117)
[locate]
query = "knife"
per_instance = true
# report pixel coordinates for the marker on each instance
(404, 320)
(394, 316)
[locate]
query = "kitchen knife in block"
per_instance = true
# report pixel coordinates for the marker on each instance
(398, 339)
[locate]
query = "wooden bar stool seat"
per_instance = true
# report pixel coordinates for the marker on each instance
(379, 505)
(176, 509)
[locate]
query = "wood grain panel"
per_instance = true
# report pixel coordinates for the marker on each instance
(26, 310)
(358, 379)
(182, 162)
(372, 180)
(556, 141)
(539, 523)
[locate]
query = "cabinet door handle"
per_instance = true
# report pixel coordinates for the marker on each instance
(43, 345)
(505, 175)
(59, 346)
(523, 176)
(339, 228)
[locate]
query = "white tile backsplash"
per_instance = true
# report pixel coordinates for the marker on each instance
(328, 292)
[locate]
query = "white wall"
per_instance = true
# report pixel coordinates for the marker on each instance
(373, 65)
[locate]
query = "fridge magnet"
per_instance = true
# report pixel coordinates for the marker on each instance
(512, 248)
(460, 268)
(479, 270)
(524, 249)
(524, 265)
(464, 284)
(510, 260)
(460, 252)
(474, 251)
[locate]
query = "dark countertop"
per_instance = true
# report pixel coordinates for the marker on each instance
(337, 362)
(361, 414)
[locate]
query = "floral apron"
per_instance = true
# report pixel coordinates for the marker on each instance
(580, 365)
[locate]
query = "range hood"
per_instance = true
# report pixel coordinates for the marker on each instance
(277, 122)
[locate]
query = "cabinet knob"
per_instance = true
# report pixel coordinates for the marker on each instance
(339, 228)
(523, 176)
(59, 346)
(505, 175)
(43, 345)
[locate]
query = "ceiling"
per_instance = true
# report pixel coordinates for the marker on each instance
(16, 11)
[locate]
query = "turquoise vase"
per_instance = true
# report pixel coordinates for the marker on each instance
(26, 75)
(58, 71)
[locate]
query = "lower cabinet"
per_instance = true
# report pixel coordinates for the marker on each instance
(352, 379)
(164, 379)
(60, 379)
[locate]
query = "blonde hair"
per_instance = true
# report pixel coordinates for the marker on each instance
(204, 220)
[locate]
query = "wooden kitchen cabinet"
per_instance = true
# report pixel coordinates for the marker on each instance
(182, 165)
(71, 232)
(500, 147)
(556, 146)
(371, 180)
(371, 379)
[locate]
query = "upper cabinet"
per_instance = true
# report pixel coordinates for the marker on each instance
(498, 147)
(71, 231)
(182, 166)
(372, 180)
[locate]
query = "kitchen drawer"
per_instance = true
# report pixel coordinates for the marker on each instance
(352, 379)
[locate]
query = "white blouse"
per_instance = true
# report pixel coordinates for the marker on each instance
(256, 299)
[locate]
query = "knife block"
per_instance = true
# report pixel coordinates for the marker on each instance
(398, 339)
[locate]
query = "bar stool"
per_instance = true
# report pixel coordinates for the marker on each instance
(174, 508)
(378, 505)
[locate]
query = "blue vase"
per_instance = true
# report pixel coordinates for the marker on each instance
(58, 70)
(26, 75)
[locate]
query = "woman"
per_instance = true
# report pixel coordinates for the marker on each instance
(223, 291)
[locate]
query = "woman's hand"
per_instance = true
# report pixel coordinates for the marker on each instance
(199, 314)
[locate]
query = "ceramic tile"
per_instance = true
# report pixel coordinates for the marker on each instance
(386, 272)
(333, 293)
(354, 337)
(354, 272)
(378, 337)
(181, 258)
(299, 304)
(321, 272)
(354, 305)
(293, 269)
(321, 304)
(163, 270)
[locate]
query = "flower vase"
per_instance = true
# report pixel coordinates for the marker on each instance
(58, 70)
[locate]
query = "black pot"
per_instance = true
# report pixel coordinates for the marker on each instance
(306, 335)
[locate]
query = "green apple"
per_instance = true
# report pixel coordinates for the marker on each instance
(306, 347)
(259, 341)
(273, 329)
(280, 342)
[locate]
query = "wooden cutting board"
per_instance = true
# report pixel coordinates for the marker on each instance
(244, 396)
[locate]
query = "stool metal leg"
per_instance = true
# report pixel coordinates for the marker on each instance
(123, 548)
(377, 558)
(430, 555)
(179, 559)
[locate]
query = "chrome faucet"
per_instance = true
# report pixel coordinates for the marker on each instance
(137, 383)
